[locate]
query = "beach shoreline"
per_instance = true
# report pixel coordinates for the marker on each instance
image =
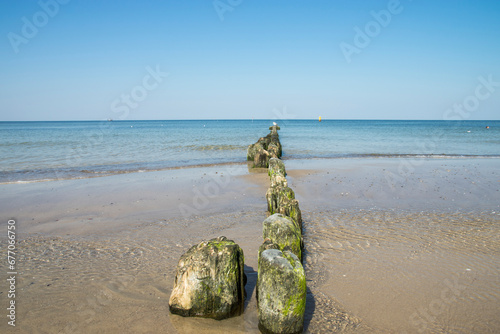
(121, 236)
(431, 184)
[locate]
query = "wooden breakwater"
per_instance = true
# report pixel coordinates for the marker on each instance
(265, 148)
(210, 280)
(281, 283)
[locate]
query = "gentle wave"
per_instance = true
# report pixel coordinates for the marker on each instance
(385, 155)
(429, 156)
(214, 147)
(61, 150)
(34, 176)
(52, 174)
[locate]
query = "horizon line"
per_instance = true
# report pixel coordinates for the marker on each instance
(248, 119)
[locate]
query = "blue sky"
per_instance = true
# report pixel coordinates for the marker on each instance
(343, 59)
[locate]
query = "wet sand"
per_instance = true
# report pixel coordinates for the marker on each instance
(388, 249)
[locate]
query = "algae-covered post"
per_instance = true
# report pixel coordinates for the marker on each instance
(281, 291)
(210, 281)
(265, 148)
(283, 231)
(276, 167)
(281, 199)
(281, 283)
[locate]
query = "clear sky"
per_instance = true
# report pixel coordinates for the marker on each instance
(225, 59)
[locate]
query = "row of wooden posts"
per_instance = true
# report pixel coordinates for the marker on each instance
(281, 283)
(210, 279)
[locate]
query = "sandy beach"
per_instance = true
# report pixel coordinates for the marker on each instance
(128, 135)
(391, 245)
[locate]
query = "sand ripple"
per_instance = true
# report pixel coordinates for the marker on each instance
(405, 263)
(367, 271)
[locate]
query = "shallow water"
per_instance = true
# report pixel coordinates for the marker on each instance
(367, 270)
(407, 272)
(35, 151)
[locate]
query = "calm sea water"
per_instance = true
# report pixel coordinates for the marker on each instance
(34, 151)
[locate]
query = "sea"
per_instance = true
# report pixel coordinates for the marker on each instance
(46, 151)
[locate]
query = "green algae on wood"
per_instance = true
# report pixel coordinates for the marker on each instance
(291, 209)
(281, 289)
(210, 281)
(282, 231)
(253, 149)
(276, 167)
(261, 159)
(278, 180)
(277, 196)
(273, 150)
(265, 148)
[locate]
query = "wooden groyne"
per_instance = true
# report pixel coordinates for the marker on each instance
(265, 148)
(281, 283)
(210, 279)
